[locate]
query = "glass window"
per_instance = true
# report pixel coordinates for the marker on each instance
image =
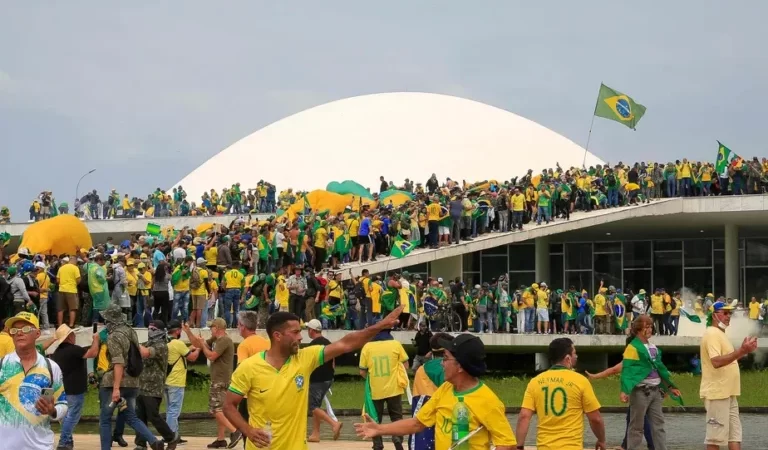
(578, 256)
(636, 280)
(637, 255)
(522, 257)
(667, 271)
(667, 245)
(500, 250)
(580, 280)
(608, 247)
(471, 262)
(418, 268)
(757, 252)
(517, 279)
(719, 278)
(608, 269)
(719, 244)
(698, 253)
(555, 248)
(471, 278)
(556, 272)
(493, 266)
(699, 281)
(756, 283)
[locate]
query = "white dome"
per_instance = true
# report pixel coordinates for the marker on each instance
(397, 135)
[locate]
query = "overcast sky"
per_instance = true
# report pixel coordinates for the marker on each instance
(146, 92)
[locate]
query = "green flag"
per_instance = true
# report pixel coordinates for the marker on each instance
(368, 406)
(616, 106)
(54, 209)
(153, 229)
(692, 317)
(725, 158)
(401, 247)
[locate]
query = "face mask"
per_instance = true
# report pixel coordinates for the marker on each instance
(721, 325)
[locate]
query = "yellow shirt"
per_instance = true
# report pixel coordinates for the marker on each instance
(132, 281)
(183, 284)
(527, 299)
(754, 310)
(706, 174)
(725, 382)
(335, 290)
(353, 225)
(6, 344)
(676, 304)
(68, 275)
(250, 346)
(560, 397)
(233, 279)
(45, 284)
(657, 304)
(282, 293)
(384, 360)
(321, 237)
(542, 299)
(485, 409)
(210, 256)
(518, 202)
(376, 291)
(433, 211)
(177, 353)
(203, 277)
(599, 305)
(279, 396)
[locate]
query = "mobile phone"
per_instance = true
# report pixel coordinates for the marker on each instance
(95, 327)
(47, 392)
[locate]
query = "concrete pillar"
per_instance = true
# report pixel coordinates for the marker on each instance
(731, 261)
(542, 362)
(447, 268)
(542, 259)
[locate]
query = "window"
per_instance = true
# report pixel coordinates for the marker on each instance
(471, 279)
(471, 262)
(608, 269)
(755, 283)
(637, 255)
(580, 280)
(667, 245)
(578, 256)
(517, 279)
(637, 279)
(555, 272)
(607, 247)
(418, 268)
(698, 253)
(699, 281)
(555, 248)
(719, 278)
(493, 266)
(522, 257)
(500, 250)
(667, 271)
(757, 252)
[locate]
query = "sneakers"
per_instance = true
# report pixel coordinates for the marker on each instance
(234, 438)
(218, 444)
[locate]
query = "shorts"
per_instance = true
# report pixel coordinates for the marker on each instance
(723, 423)
(66, 301)
(199, 301)
(362, 240)
(317, 391)
(542, 314)
(443, 230)
(216, 397)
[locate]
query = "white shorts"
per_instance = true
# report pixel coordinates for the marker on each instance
(542, 314)
(443, 230)
(723, 423)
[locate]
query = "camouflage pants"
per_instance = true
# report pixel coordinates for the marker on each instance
(262, 315)
(87, 309)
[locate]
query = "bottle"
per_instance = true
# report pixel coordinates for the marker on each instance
(268, 430)
(460, 425)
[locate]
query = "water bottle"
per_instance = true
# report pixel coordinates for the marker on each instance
(460, 425)
(268, 431)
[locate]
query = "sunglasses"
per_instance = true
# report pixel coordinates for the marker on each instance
(26, 330)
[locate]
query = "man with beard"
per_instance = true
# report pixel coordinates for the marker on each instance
(276, 382)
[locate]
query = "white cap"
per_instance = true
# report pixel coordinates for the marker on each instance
(40, 265)
(543, 284)
(439, 279)
(315, 324)
(65, 259)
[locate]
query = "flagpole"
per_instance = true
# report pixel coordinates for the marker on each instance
(589, 135)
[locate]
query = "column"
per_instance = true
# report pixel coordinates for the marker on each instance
(447, 268)
(731, 262)
(542, 259)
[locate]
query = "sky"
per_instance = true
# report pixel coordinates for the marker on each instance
(145, 92)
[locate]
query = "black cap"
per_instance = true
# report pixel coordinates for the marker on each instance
(159, 324)
(174, 325)
(469, 352)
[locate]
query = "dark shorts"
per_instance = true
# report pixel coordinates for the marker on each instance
(317, 391)
(362, 240)
(66, 301)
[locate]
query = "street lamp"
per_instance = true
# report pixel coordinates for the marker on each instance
(77, 188)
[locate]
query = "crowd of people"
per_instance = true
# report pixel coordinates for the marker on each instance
(599, 186)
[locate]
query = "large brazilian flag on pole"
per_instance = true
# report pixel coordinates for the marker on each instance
(614, 105)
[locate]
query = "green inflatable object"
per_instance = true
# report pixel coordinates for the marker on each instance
(348, 187)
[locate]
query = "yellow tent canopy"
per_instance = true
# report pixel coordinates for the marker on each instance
(58, 235)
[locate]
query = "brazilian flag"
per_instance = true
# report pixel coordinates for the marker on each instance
(616, 106)
(620, 311)
(725, 158)
(401, 247)
(369, 408)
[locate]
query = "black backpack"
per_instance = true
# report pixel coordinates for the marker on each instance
(134, 363)
(6, 296)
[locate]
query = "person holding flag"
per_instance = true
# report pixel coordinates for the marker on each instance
(486, 422)
(644, 382)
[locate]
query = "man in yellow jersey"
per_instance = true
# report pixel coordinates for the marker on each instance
(433, 220)
(542, 309)
(176, 380)
(463, 362)
(198, 287)
(560, 397)
(67, 278)
(276, 382)
(234, 282)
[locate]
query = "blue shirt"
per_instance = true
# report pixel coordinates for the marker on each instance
(199, 249)
(582, 305)
(365, 227)
(385, 225)
(157, 257)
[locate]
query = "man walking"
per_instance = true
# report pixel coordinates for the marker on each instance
(176, 379)
(155, 353)
(721, 379)
(320, 383)
(297, 288)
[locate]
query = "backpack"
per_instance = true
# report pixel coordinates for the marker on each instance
(6, 295)
(134, 363)
(610, 180)
(195, 281)
(359, 291)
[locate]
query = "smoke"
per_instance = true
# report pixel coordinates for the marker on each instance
(740, 327)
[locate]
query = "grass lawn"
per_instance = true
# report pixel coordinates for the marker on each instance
(348, 391)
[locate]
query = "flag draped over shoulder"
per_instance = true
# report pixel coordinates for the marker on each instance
(637, 364)
(368, 407)
(401, 247)
(619, 107)
(620, 311)
(725, 159)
